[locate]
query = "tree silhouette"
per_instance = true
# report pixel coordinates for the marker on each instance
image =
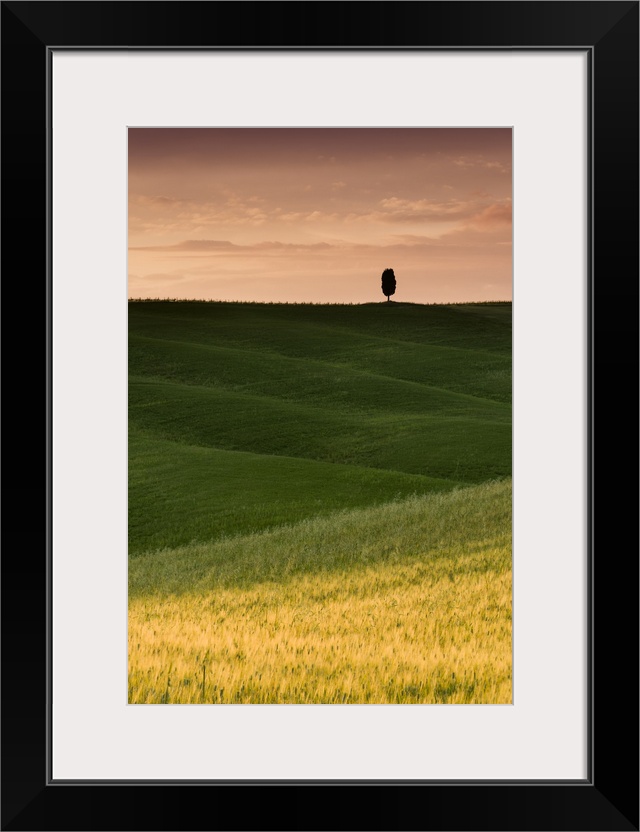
(388, 283)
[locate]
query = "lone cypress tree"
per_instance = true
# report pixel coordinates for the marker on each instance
(388, 283)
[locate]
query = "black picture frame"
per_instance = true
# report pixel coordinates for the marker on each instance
(608, 798)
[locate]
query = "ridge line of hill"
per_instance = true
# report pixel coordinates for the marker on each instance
(372, 335)
(382, 417)
(150, 435)
(326, 364)
(437, 541)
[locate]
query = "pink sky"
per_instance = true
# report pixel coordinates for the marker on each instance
(317, 214)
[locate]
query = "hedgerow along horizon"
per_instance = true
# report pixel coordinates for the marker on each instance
(318, 303)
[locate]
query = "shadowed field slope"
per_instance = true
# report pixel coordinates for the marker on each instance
(231, 492)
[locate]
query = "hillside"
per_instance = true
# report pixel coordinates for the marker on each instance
(319, 503)
(246, 416)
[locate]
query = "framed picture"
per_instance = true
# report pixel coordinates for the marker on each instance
(307, 431)
(562, 78)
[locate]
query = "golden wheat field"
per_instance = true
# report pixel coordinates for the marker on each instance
(410, 602)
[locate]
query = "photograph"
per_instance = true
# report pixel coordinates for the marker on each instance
(320, 415)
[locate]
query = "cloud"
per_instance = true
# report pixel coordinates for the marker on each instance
(467, 162)
(275, 245)
(412, 239)
(189, 245)
(153, 200)
(395, 209)
(160, 214)
(493, 216)
(156, 277)
(227, 247)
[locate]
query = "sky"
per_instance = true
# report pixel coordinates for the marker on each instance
(317, 214)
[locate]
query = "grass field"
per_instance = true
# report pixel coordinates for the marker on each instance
(319, 503)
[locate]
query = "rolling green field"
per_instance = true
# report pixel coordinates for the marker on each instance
(319, 503)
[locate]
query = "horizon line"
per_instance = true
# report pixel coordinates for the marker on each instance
(320, 303)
